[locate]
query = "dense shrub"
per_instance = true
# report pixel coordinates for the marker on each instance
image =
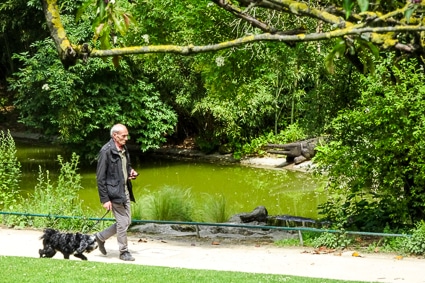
(374, 159)
(416, 243)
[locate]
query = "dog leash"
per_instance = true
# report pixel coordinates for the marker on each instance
(97, 222)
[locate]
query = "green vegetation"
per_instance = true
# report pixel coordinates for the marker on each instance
(10, 171)
(53, 198)
(167, 204)
(226, 98)
(214, 209)
(175, 204)
(361, 243)
(374, 158)
(369, 104)
(92, 98)
(18, 269)
(332, 240)
(308, 238)
(405, 245)
(292, 133)
(416, 244)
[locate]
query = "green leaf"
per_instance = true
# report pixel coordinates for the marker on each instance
(339, 48)
(348, 6)
(368, 64)
(98, 31)
(409, 13)
(128, 19)
(116, 61)
(119, 24)
(104, 38)
(102, 7)
(366, 48)
(363, 4)
(82, 9)
(373, 48)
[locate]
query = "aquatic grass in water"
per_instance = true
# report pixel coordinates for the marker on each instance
(167, 204)
(213, 209)
(176, 204)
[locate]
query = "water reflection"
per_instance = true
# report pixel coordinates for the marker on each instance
(280, 191)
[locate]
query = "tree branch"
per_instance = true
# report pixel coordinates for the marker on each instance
(191, 49)
(66, 52)
(382, 30)
(299, 8)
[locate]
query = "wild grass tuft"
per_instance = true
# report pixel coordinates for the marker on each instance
(213, 209)
(166, 204)
(176, 204)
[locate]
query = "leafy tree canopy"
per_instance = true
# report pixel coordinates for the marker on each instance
(79, 106)
(363, 26)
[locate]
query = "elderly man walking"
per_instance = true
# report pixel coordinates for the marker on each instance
(114, 174)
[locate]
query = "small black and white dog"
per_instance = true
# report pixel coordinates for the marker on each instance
(67, 244)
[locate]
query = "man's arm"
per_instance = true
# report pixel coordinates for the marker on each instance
(101, 170)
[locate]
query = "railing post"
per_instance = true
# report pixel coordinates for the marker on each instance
(197, 231)
(300, 235)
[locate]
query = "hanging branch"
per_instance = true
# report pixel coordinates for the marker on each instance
(380, 30)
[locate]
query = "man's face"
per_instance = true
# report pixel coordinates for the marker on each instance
(121, 136)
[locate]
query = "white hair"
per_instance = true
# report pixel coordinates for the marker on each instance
(116, 128)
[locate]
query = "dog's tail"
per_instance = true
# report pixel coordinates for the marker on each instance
(48, 232)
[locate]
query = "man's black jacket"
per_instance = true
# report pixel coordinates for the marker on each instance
(109, 175)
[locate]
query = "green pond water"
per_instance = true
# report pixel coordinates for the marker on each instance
(244, 188)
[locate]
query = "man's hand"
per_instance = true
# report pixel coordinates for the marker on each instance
(107, 205)
(133, 174)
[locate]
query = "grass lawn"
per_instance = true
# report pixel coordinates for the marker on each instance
(24, 269)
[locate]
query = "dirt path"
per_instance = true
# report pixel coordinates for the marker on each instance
(244, 258)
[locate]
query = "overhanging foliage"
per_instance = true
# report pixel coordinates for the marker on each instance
(396, 26)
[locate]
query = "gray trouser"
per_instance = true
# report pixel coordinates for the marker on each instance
(122, 214)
